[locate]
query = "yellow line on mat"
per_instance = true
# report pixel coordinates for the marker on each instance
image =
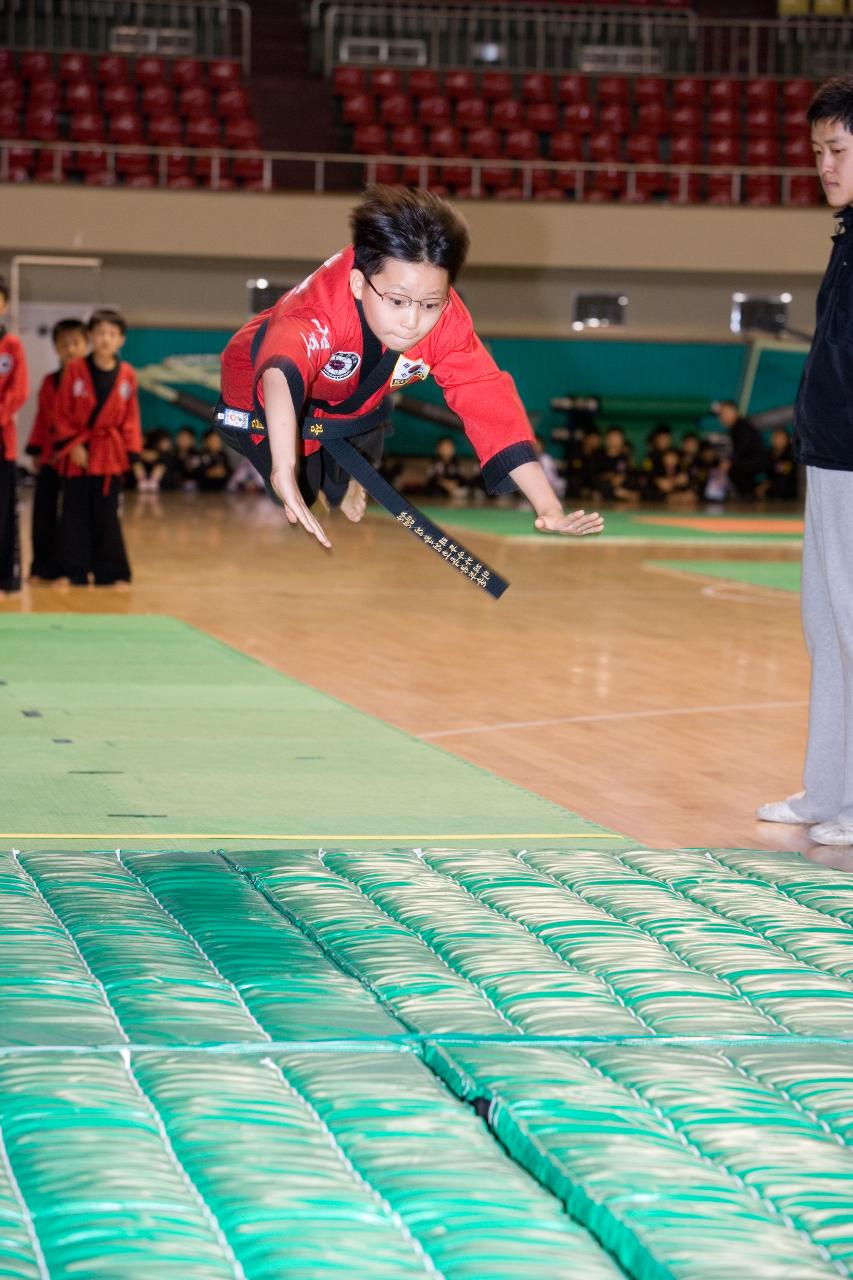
(235, 835)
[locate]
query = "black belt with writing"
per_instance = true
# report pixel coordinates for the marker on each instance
(332, 434)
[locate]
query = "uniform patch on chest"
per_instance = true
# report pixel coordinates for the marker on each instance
(342, 365)
(406, 370)
(6, 363)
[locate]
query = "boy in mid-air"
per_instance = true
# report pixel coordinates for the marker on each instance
(378, 316)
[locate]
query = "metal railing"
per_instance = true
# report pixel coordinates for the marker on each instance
(529, 38)
(199, 28)
(334, 173)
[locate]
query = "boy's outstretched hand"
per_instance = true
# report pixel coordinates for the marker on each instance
(287, 487)
(576, 523)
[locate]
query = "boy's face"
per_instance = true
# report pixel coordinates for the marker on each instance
(399, 326)
(71, 345)
(107, 339)
(4, 302)
(185, 439)
(833, 152)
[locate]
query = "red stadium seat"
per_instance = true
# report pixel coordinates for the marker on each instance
(21, 158)
(611, 89)
(536, 86)
(762, 122)
(35, 65)
(507, 113)
(762, 191)
(74, 67)
(723, 122)
(348, 80)
(420, 175)
(358, 108)
(233, 103)
(542, 116)
(204, 131)
(248, 168)
(762, 94)
(112, 69)
(794, 125)
(572, 88)
(762, 151)
(181, 182)
(643, 148)
(423, 82)
(579, 117)
(242, 135)
(445, 141)
(133, 163)
(125, 128)
(117, 98)
(803, 192)
(158, 99)
(605, 148)
(150, 70)
(721, 189)
(495, 85)
(456, 175)
(10, 122)
(471, 113)
(7, 64)
(90, 159)
(53, 165)
(43, 93)
(80, 95)
(522, 144)
(86, 126)
(650, 91)
(484, 143)
(686, 120)
(614, 118)
(564, 146)
(798, 152)
(606, 184)
(42, 124)
(407, 140)
(395, 108)
(386, 80)
(509, 193)
(194, 101)
(548, 193)
(725, 94)
(370, 140)
(459, 84)
(497, 177)
(685, 148)
(796, 95)
(187, 71)
(724, 151)
(433, 110)
(139, 180)
(653, 118)
(388, 174)
(688, 91)
(100, 178)
(11, 93)
(165, 131)
(223, 73)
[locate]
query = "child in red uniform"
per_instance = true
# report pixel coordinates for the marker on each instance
(98, 437)
(13, 392)
(71, 342)
(376, 317)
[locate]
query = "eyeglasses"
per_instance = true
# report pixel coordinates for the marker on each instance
(400, 302)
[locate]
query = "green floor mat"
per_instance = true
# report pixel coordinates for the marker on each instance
(118, 728)
(782, 575)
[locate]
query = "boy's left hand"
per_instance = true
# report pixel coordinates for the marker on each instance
(576, 523)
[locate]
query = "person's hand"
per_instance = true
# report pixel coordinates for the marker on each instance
(79, 455)
(287, 488)
(577, 523)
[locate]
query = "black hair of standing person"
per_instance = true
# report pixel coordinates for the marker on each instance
(107, 315)
(70, 325)
(4, 289)
(833, 101)
(410, 225)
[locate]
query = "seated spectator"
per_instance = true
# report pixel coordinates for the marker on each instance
(714, 474)
(154, 461)
(214, 468)
(183, 472)
(669, 482)
(549, 465)
(614, 475)
(445, 479)
(749, 457)
(580, 468)
(781, 483)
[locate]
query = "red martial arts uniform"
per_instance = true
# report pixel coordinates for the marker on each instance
(14, 390)
(99, 410)
(335, 366)
(46, 496)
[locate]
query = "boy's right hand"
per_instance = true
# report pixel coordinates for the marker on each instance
(79, 455)
(287, 488)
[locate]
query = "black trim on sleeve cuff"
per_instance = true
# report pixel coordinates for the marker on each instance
(132, 457)
(293, 377)
(33, 450)
(496, 476)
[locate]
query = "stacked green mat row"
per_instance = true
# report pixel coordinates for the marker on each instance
(262, 1065)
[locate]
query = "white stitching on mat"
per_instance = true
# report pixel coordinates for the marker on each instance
(29, 1223)
(391, 1213)
(834, 1134)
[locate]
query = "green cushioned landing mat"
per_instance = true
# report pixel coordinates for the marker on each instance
(779, 575)
(462, 1063)
(115, 729)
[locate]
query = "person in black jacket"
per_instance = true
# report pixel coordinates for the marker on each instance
(748, 465)
(823, 443)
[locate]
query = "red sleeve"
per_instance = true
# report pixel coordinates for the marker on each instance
(300, 346)
(17, 386)
(68, 431)
(486, 399)
(132, 425)
(44, 421)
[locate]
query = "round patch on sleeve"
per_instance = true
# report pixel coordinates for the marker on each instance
(342, 365)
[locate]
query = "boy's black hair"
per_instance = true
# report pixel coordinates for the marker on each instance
(106, 315)
(833, 101)
(71, 325)
(4, 289)
(409, 224)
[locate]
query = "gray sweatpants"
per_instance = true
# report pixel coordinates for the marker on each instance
(827, 609)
